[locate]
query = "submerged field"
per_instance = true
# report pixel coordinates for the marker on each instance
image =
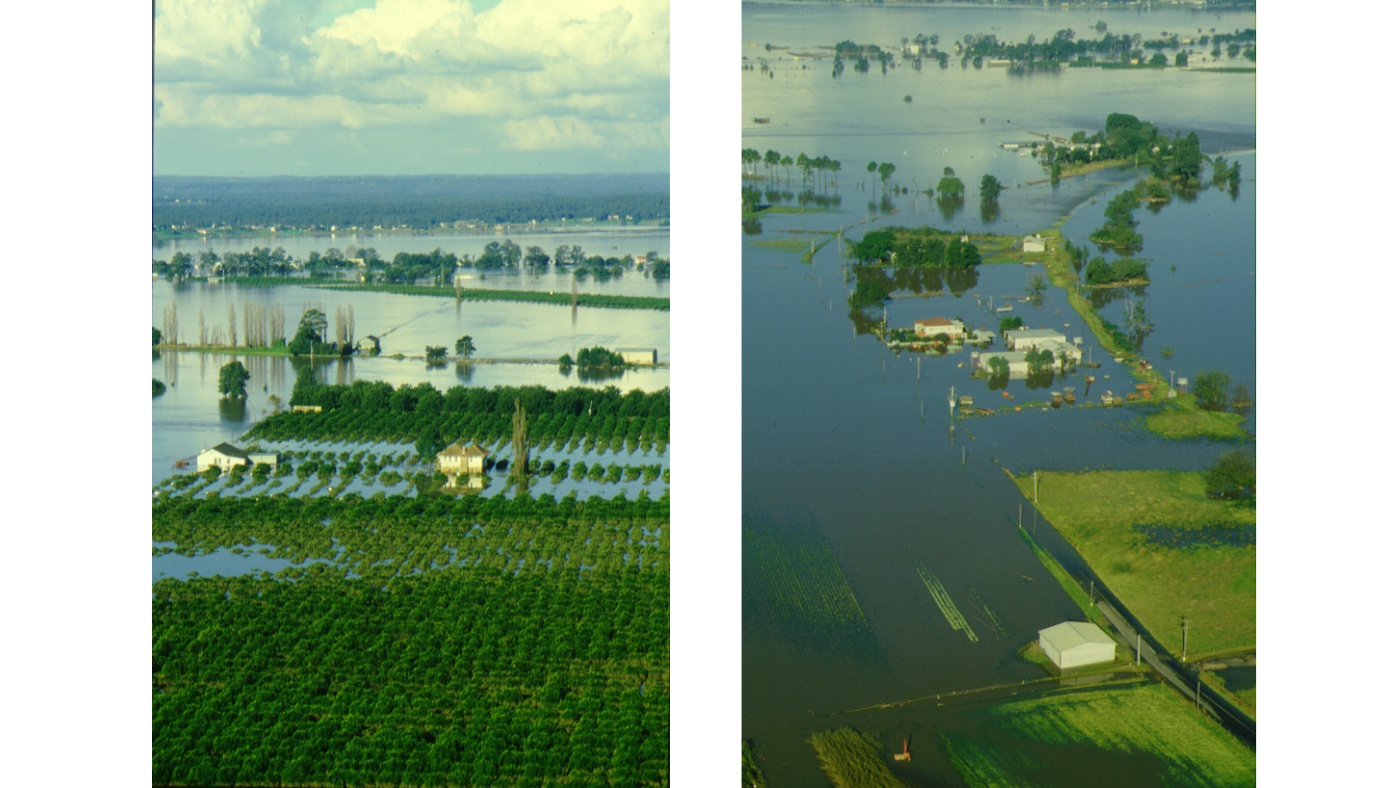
(413, 636)
(1164, 548)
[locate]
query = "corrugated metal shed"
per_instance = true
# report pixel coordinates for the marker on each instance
(1071, 644)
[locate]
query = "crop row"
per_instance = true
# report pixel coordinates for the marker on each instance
(562, 432)
(803, 579)
(945, 603)
(471, 678)
(400, 535)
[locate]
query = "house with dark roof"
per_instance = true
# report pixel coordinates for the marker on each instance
(225, 456)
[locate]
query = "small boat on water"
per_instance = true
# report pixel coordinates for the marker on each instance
(760, 120)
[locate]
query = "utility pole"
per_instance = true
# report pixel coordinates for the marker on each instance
(1184, 626)
(1139, 648)
(1035, 481)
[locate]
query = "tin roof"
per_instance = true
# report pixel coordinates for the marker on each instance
(1070, 634)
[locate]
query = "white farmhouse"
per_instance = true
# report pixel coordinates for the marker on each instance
(457, 459)
(933, 326)
(1073, 644)
(225, 456)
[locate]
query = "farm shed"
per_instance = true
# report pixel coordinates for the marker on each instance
(1032, 338)
(1015, 362)
(633, 355)
(1072, 644)
(1033, 243)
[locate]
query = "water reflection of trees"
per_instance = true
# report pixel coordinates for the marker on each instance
(948, 207)
(234, 409)
(874, 285)
(753, 227)
(599, 374)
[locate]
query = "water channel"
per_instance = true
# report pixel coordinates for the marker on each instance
(849, 450)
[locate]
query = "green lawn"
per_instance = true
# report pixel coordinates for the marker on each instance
(1169, 741)
(1211, 584)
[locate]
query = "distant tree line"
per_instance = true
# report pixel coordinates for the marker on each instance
(437, 266)
(418, 202)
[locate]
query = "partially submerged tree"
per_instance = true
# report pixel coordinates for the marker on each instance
(1232, 476)
(465, 348)
(1211, 389)
(233, 380)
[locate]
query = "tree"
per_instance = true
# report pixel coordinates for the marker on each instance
(1211, 388)
(311, 331)
(886, 170)
(991, 188)
(233, 380)
(520, 442)
(1232, 476)
(155, 336)
(465, 348)
(436, 354)
(950, 188)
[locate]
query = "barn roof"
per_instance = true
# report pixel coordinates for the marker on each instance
(228, 450)
(1067, 635)
(458, 449)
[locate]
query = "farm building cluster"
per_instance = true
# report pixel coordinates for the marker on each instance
(1023, 340)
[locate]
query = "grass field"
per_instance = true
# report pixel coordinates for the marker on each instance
(852, 759)
(1160, 579)
(1169, 742)
(1210, 584)
(1181, 418)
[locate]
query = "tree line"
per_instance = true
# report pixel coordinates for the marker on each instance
(436, 266)
(418, 202)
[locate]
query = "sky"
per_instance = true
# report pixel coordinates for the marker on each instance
(406, 87)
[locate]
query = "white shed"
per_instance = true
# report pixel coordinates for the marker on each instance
(1073, 644)
(1033, 243)
(637, 355)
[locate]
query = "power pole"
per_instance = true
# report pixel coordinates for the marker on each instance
(1184, 627)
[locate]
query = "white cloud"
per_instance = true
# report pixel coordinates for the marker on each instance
(558, 74)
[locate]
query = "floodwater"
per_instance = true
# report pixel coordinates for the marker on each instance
(608, 242)
(191, 416)
(849, 448)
